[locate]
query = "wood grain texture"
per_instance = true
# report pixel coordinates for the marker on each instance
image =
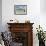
(23, 27)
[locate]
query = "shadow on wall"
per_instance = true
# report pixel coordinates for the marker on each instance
(43, 6)
(0, 15)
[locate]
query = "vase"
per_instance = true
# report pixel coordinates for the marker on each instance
(41, 43)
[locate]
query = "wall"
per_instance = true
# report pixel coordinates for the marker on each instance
(34, 14)
(43, 6)
(33, 11)
(0, 15)
(43, 14)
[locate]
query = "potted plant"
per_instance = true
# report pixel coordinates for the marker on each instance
(41, 36)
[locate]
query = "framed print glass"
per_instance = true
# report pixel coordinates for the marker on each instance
(20, 9)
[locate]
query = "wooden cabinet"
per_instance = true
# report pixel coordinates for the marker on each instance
(22, 33)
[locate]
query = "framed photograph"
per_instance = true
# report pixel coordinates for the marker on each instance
(20, 9)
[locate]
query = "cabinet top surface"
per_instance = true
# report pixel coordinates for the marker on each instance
(19, 23)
